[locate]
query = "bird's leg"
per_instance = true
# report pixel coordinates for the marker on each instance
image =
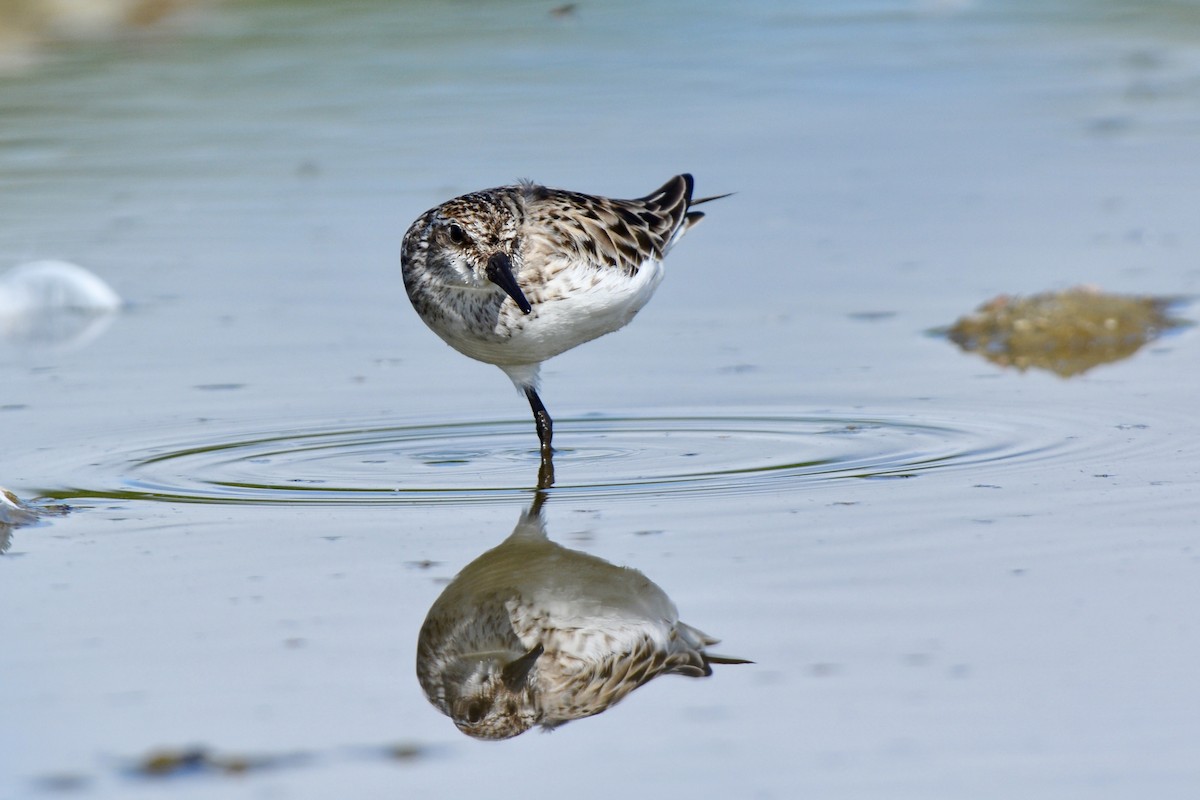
(541, 418)
(545, 430)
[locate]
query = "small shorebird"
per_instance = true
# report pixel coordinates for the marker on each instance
(518, 274)
(532, 633)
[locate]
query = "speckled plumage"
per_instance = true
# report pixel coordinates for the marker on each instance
(531, 633)
(518, 274)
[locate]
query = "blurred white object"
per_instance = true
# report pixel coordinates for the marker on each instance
(26, 26)
(14, 514)
(54, 302)
(12, 511)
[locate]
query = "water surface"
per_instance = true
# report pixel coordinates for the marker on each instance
(955, 580)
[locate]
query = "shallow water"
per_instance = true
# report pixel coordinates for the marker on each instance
(955, 580)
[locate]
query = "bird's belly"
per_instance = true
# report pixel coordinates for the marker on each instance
(568, 311)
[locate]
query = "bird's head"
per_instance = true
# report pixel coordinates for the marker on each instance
(493, 695)
(472, 242)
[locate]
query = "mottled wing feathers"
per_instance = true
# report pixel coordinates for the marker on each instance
(575, 688)
(623, 234)
(580, 689)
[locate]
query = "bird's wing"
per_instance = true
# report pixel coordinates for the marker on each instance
(621, 234)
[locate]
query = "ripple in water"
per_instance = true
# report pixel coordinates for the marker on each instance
(600, 457)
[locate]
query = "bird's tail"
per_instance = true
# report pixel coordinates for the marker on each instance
(692, 217)
(698, 639)
(713, 658)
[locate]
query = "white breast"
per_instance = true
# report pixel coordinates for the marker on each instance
(575, 306)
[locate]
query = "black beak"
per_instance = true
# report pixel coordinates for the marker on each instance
(515, 672)
(499, 272)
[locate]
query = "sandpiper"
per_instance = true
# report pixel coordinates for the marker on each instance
(518, 274)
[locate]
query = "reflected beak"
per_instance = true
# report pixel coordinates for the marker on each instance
(499, 272)
(515, 672)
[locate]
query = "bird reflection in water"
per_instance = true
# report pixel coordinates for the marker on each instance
(532, 633)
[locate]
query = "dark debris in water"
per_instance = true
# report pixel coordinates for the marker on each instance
(871, 316)
(1066, 332)
(404, 751)
(62, 782)
(219, 387)
(200, 761)
(168, 762)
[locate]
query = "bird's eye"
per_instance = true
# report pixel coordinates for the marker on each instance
(457, 234)
(475, 712)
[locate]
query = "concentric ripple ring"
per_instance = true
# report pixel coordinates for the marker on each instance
(602, 456)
